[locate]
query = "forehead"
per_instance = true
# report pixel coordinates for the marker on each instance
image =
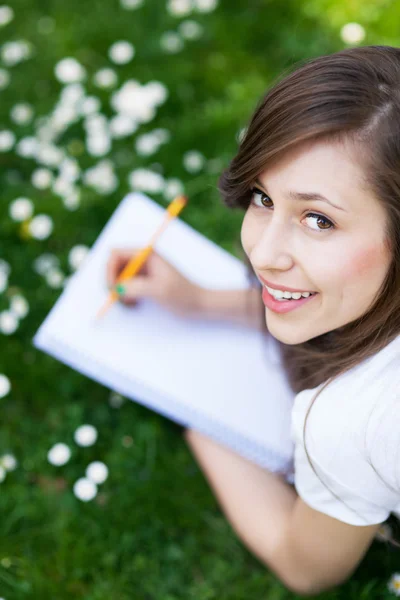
(325, 167)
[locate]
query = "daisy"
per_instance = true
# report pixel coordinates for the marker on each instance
(352, 33)
(85, 435)
(394, 584)
(85, 489)
(97, 472)
(5, 385)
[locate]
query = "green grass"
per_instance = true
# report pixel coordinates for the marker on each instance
(154, 531)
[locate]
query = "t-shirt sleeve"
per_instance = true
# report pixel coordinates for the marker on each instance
(356, 471)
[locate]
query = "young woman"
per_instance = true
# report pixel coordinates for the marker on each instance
(317, 175)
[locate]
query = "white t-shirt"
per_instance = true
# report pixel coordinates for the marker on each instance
(356, 417)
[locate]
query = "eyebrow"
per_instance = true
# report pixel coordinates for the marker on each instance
(311, 196)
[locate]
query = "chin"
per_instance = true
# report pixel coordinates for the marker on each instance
(291, 338)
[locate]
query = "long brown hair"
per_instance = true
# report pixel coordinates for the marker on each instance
(350, 96)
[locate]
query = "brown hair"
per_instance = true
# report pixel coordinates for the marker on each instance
(350, 96)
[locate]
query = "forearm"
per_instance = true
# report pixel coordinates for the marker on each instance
(257, 503)
(241, 306)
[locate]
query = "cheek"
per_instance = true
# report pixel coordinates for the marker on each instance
(365, 271)
(367, 262)
(350, 268)
(246, 235)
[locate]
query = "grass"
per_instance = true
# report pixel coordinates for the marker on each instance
(154, 530)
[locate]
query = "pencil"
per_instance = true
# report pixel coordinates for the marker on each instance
(138, 260)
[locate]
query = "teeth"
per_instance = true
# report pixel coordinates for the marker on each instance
(278, 294)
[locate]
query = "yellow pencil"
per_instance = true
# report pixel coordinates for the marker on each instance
(137, 261)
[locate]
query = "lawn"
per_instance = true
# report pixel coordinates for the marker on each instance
(68, 155)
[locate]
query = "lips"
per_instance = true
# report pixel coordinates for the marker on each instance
(283, 288)
(282, 307)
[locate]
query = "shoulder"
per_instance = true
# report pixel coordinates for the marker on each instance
(347, 440)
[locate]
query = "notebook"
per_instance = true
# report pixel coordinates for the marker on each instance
(222, 379)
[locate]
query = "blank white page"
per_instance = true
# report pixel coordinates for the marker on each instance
(222, 379)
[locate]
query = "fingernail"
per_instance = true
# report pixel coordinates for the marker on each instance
(120, 289)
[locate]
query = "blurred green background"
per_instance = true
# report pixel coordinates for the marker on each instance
(153, 530)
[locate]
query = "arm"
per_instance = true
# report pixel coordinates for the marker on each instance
(243, 306)
(308, 551)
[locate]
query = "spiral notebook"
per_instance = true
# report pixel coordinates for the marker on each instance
(222, 379)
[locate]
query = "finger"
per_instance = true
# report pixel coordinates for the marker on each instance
(117, 261)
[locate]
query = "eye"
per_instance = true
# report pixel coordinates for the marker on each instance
(255, 192)
(260, 196)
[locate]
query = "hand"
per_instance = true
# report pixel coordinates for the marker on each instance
(158, 280)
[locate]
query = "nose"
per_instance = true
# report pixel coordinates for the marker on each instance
(272, 248)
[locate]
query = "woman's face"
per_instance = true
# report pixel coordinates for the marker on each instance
(292, 248)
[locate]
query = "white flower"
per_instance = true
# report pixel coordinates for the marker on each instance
(77, 255)
(69, 70)
(131, 4)
(122, 125)
(41, 227)
(95, 124)
(193, 161)
(48, 154)
(4, 267)
(62, 186)
(42, 179)
(190, 30)
(121, 52)
(352, 33)
(101, 177)
(90, 105)
(105, 78)
(13, 53)
(394, 584)
(136, 101)
(171, 42)
(146, 180)
(19, 306)
(70, 170)
(59, 454)
(179, 8)
(5, 385)
(27, 147)
(6, 15)
(3, 473)
(85, 435)
(9, 462)
(173, 188)
(22, 114)
(85, 489)
(63, 115)
(148, 143)
(55, 278)
(98, 145)
(156, 91)
(205, 5)
(3, 281)
(72, 94)
(7, 140)
(97, 472)
(21, 209)
(45, 262)
(72, 200)
(4, 79)
(8, 322)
